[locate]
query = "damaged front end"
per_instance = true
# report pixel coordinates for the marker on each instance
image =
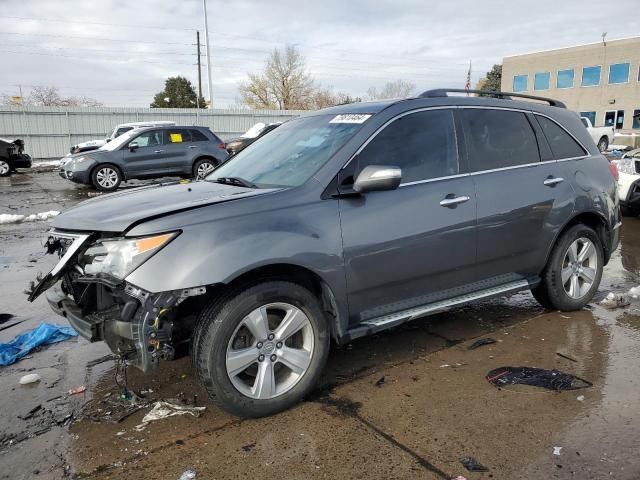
(88, 287)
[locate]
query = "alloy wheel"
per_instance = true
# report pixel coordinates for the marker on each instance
(4, 167)
(270, 351)
(107, 177)
(204, 168)
(579, 268)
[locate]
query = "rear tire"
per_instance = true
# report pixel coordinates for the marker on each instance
(5, 168)
(106, 177)
(603, 144)
(204, 167)
(257, 321)
(573, 272)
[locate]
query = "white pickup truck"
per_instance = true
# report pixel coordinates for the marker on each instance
(603, 136)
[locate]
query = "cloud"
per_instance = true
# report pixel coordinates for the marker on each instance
(120, 52)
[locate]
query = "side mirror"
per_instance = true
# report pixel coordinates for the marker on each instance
(133, 146)
(376, 178)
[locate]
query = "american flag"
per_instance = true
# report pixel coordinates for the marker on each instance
(467, 86)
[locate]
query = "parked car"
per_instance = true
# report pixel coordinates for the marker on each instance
(259, 130)
(629, 182)
(603, 136)
(147, 153)
(12, 156)
(341, 223)
(116, 132)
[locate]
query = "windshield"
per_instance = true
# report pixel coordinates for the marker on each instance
(118, 142)
(291, 153)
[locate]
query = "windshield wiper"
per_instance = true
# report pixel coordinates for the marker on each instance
(235, 181)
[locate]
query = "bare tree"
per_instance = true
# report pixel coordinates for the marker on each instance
(284, 83)
(397, 89)
(50, 97)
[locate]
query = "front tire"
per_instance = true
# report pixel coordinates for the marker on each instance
(261, 349)
(106, 177)
(573, 272)
(5, 168)
(603, 144)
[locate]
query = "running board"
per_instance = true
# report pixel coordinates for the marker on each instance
(387, 321)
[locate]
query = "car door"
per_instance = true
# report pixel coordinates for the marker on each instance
(143, 153)
(178, 148)
(522, 198)
(410, 246)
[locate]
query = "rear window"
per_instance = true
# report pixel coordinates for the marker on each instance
(198, 136)
(562, 144)
(177, 135)
(499, 139)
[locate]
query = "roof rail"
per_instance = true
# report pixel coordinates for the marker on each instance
(442, 92)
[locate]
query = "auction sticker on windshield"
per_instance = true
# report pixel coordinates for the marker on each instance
(350, 118)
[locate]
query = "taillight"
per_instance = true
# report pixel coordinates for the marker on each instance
(222, 145)
(613, 168)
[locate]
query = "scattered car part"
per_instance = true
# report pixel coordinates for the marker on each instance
(537, 377)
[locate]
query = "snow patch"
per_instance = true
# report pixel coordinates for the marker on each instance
(34, 217)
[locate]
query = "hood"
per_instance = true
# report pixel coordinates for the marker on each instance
(117, 212)
(91, 143)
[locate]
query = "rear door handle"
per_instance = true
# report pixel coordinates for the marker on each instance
(452, 202)
(550, 182)
(158, 151)
(193, 146)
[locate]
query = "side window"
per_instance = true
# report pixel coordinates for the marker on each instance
(499, 139)
(150, 138)
(561, 143)
(422, 144)
(198, 136)
(177, 135)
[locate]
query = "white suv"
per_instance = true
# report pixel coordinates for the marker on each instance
(117, 131)
(629, 182)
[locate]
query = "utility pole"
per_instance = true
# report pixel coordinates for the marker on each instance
(199, 70)
(206, 41)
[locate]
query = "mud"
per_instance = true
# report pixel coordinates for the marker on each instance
(433, 408)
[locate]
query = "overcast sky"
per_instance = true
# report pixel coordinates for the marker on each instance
(121, 51)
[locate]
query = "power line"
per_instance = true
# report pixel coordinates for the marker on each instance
(82, 22)
(119, 59)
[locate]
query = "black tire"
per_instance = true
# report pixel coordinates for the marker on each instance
(627, 211)
(5, 167)
(101, 172)
(218, 323)
(551, 291)
(203, 162)
(603, 144)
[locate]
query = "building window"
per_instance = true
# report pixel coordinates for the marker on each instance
(591, 116)
(618, 73)
(541, 81)
(636, 119)
(520, 83)
(565, 78)
(620, 119)
(591, 76)
(610, 118)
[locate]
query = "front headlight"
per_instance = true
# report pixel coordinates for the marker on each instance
(120, 257)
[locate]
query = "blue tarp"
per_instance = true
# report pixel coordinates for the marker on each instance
(45, 334)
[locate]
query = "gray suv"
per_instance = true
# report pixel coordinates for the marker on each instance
(150, 152)
(338, 224)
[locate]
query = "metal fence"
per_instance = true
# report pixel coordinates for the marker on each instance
(49, 132)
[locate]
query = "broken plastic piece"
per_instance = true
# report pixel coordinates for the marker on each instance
(481, 342)
(473, 465)
(164, 410)
(30, 378)
(556, 450)
(188, 475)
(537, 377)
(77, 390)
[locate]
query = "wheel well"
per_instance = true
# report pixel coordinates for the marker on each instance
(291, 273)
(594, 221)
(604, 137)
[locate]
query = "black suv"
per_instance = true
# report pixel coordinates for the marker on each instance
(149, 152)
(12, 156)
(338, 224)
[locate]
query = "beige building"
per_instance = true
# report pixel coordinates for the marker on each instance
(600, 80)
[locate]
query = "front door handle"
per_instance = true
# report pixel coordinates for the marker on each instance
(551, 181)
(452, 202)
(158, 151)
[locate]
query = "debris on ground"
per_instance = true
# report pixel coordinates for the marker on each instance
(77, 390)
(556, 450)
(164, 409)
(188, 475)
(249, 447)
(537, 377)
(566, 357)
(380, 382)
(481, 342)
(44, 334)
(459, 477)
(580, 398)
(473, 465)
(30, 413)
(30, 378)
(453, 365)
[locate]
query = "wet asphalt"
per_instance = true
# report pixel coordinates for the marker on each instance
(407, 403)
